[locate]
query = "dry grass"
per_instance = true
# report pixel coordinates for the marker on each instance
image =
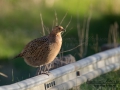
(95, 46)
(42, 24)
(2, 74)
(113, 35)
(83, 34)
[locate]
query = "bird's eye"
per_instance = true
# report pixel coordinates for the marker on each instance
(59, 28)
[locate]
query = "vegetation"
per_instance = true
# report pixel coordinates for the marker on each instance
(20, 23)
(107, 81)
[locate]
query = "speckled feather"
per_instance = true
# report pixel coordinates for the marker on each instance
(43, 50)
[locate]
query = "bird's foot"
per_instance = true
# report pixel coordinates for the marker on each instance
(45, 73)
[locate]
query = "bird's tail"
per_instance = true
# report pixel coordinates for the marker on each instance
(19, 55)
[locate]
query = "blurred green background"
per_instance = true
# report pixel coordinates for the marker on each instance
(20, 23)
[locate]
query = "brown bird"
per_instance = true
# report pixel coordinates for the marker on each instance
(42, 51)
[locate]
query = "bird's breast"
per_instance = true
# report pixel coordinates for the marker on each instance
(54, 47)
(54, 50)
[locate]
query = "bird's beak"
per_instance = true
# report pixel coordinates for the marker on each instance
(64, 30)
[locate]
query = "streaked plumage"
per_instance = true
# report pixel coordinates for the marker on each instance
(42, 51)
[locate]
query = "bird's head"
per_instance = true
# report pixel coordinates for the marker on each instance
(57, 30)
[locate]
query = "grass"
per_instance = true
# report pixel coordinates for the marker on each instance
(109, 79)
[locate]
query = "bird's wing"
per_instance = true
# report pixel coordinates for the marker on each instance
(32, 46)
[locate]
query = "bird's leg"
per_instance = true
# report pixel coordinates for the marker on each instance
(39, 70)
(50, 66)
(43, 69)
(46, 70)
(47, 67)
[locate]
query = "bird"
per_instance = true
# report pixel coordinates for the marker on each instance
(43, 50)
